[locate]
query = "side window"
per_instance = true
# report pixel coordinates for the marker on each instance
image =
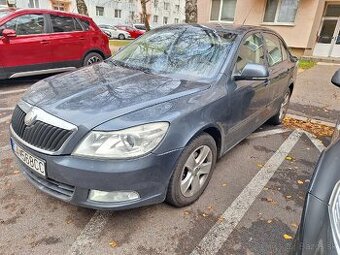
(274, 49)
(284, 52)
(30, 24)
(251, 52)
(85, 24)
(64, 24)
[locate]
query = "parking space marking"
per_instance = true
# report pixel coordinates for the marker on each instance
(317, 143)
(12, 91)
(219, 233)
(4, 119)
(268, 132)
(7, 109)
(90, 233)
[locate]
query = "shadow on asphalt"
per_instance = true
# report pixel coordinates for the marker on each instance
(22, 81)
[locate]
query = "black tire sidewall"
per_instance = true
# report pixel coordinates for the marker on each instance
(90, 55)
(121, 37)
(174, 194)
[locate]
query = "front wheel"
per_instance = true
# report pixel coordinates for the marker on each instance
(121, 37)
(192, 172)
(280, 115)
(92, 58)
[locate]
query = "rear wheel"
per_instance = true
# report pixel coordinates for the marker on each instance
(280, 115)
(92, 58)
(121, 37)
(192, 172)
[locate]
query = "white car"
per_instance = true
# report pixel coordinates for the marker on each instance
(114, 32)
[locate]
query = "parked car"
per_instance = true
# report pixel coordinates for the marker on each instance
(115, 32)
(35, 41)
(148, 124)
(319, 230)
(139, 27)
(134, 33)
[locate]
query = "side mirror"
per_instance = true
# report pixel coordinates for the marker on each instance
(336, 78)
(9, 33)
(253, 72)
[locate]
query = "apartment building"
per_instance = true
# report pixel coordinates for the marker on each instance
(310, 27)
(159, 12)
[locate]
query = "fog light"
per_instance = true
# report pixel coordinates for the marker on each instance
(112, 196)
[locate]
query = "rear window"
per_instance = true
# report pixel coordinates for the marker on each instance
(64, 24)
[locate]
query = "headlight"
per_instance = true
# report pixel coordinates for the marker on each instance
(334, 215)
(127, 143)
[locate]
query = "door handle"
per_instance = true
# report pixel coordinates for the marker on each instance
(44, 42)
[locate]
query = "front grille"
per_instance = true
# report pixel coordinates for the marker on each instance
(39, 134)
(55, 188)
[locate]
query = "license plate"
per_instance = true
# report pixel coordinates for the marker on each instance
(29, 160)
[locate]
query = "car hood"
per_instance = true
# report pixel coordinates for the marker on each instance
(93, 95)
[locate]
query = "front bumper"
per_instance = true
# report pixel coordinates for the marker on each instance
(70, 178)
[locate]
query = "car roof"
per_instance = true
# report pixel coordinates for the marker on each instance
(224, 28)
(34, 10)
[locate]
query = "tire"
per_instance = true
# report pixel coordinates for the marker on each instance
(280, 115)
(92, 58)
(121, 37)
(187, 170)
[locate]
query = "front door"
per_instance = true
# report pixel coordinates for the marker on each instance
(247, 98)
(328, 40)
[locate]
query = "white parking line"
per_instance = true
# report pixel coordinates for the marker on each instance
(268, 133)
(7, 109)
(90, 233)
(317, 143)
(4, 119)
(12, 91)
(219, 233)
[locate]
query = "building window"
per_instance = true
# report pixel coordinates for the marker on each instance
(155, 4)
(166, 6)
(132, 15)
(222, 10)
(118, 13)
(60, 5)
(99, 11)
(33, 4)
(177, 7)
(155, 19)
(176, 20)
(165, 20)
(281, 11)
(3, 2)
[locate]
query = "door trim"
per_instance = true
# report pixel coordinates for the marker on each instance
(39, 72)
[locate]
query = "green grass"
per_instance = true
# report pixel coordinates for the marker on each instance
(306, 64)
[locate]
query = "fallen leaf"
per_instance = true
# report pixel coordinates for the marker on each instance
(204, 215)
(210, 208)
(259, 165)
(69, 221)
(269, 221)
(113, 244)
(186, 212)
(287, 237)
(224, 184)
(294, 225)
(300, 182)
(307, 180)
(288, 197)
(289, 158)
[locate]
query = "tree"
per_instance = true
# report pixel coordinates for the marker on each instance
(144, 14)
(191, 11)
(81, 7)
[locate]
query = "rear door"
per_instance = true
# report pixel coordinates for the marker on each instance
(278, 68)
(68, 40)
(30, 49)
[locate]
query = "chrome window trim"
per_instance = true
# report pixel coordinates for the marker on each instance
(332, 203)
(49, 119)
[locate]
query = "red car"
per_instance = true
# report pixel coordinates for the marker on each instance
(134, 33)
(34, 41)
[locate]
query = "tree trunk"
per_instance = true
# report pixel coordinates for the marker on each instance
(144, 14)
(81, 7)
(191, 11)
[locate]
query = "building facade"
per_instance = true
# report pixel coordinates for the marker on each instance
(310, 27)
(117, 12)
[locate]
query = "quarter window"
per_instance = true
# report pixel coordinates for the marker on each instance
(64, 24)
(281, 11)
(251, 52)
(27, 24)
(274, 49)
(222, 10)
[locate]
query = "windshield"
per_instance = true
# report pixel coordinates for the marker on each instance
(3, 13)
(192, 51)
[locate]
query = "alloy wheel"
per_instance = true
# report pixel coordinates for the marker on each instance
(284, 106)
(93, 60)
(196, 171)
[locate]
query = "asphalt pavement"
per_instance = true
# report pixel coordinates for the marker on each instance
(252, 205)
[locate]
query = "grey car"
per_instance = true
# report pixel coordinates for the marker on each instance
(319, 230)
(149, 124)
